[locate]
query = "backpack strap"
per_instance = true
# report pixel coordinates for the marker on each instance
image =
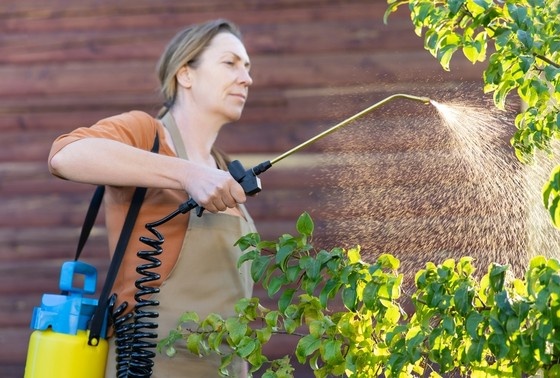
(100, 314)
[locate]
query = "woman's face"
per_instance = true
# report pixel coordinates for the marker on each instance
(220, 80)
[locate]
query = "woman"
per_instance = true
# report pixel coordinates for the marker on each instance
(204, 75)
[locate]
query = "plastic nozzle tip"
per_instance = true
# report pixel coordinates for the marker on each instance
(262, 167)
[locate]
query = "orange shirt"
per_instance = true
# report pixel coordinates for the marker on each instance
(137, 129)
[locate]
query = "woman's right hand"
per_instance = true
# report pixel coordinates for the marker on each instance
(213, 189)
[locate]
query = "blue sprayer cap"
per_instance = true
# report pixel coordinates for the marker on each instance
(71, 311)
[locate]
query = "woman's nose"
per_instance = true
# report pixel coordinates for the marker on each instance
(245, 78)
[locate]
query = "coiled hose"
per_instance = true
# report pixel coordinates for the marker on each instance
(134, 331)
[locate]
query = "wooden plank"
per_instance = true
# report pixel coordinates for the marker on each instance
(63, 17)
(350, 68)
(316, 105)
(293, 38)
(13, 349)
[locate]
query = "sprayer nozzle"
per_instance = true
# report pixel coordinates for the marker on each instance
(425, 100)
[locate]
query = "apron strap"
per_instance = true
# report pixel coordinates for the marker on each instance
(171, 126)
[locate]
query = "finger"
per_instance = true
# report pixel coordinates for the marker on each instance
(237, 193)
(219, 205)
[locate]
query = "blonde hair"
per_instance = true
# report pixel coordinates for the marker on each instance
(185, 49)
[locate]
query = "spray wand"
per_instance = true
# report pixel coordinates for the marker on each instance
(248, 178)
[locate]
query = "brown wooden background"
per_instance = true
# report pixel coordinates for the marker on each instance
(65, 64)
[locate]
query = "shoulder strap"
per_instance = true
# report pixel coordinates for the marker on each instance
(91, 215)
(94, 207)
(98, 318)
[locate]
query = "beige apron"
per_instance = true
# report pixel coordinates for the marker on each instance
(206, 280)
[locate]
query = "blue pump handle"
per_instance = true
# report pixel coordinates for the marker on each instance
(67, 277)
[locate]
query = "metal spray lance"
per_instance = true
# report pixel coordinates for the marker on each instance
(248, 178)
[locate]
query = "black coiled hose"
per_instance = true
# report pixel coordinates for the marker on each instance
(134, 331)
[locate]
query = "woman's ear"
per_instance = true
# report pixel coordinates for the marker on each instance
(184, 77)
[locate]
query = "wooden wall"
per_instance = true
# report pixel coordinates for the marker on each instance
(65, 64)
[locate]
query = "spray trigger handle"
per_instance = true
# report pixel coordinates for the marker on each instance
(248, 179)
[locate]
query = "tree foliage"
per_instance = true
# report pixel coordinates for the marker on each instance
(522, 40)
(348, 320)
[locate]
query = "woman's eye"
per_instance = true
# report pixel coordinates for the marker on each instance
(229, 63)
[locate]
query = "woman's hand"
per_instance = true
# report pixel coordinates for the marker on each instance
(213, 189)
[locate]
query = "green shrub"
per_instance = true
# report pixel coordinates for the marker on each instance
(348, 318)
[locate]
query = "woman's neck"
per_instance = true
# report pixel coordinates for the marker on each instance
(198, 135)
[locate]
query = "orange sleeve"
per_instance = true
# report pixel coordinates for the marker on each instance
(134, 128)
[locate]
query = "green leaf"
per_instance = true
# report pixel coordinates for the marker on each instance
(471, 52)
(525, 38)
(188, 317)
(263, 335)
(271, 319)
(249, 256)
(284, 253)
(497, 276)
(388, 261)
(497, 345)
(193, 343)
(370, 295)
(275, 284)
(285, 299)
(215, 340)
(258, 267)
(331, 352)
(473, 320)
(463, 300)
(236, 330)
(447, 47)
(317, 328)
(292, 273)
(290, 325)
(448, 325)
(306, 346)
(246, 346)
(474, 353)
(554, 210)
(329, 290)
(455, 5)
(551, 72)
(518, 14)
(349, 297)
(248, 241)
(305, 224)
(224, 363)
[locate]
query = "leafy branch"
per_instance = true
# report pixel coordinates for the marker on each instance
(526, 59)
(348, 320)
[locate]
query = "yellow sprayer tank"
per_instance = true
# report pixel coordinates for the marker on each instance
(53, 354)
(59, 345)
